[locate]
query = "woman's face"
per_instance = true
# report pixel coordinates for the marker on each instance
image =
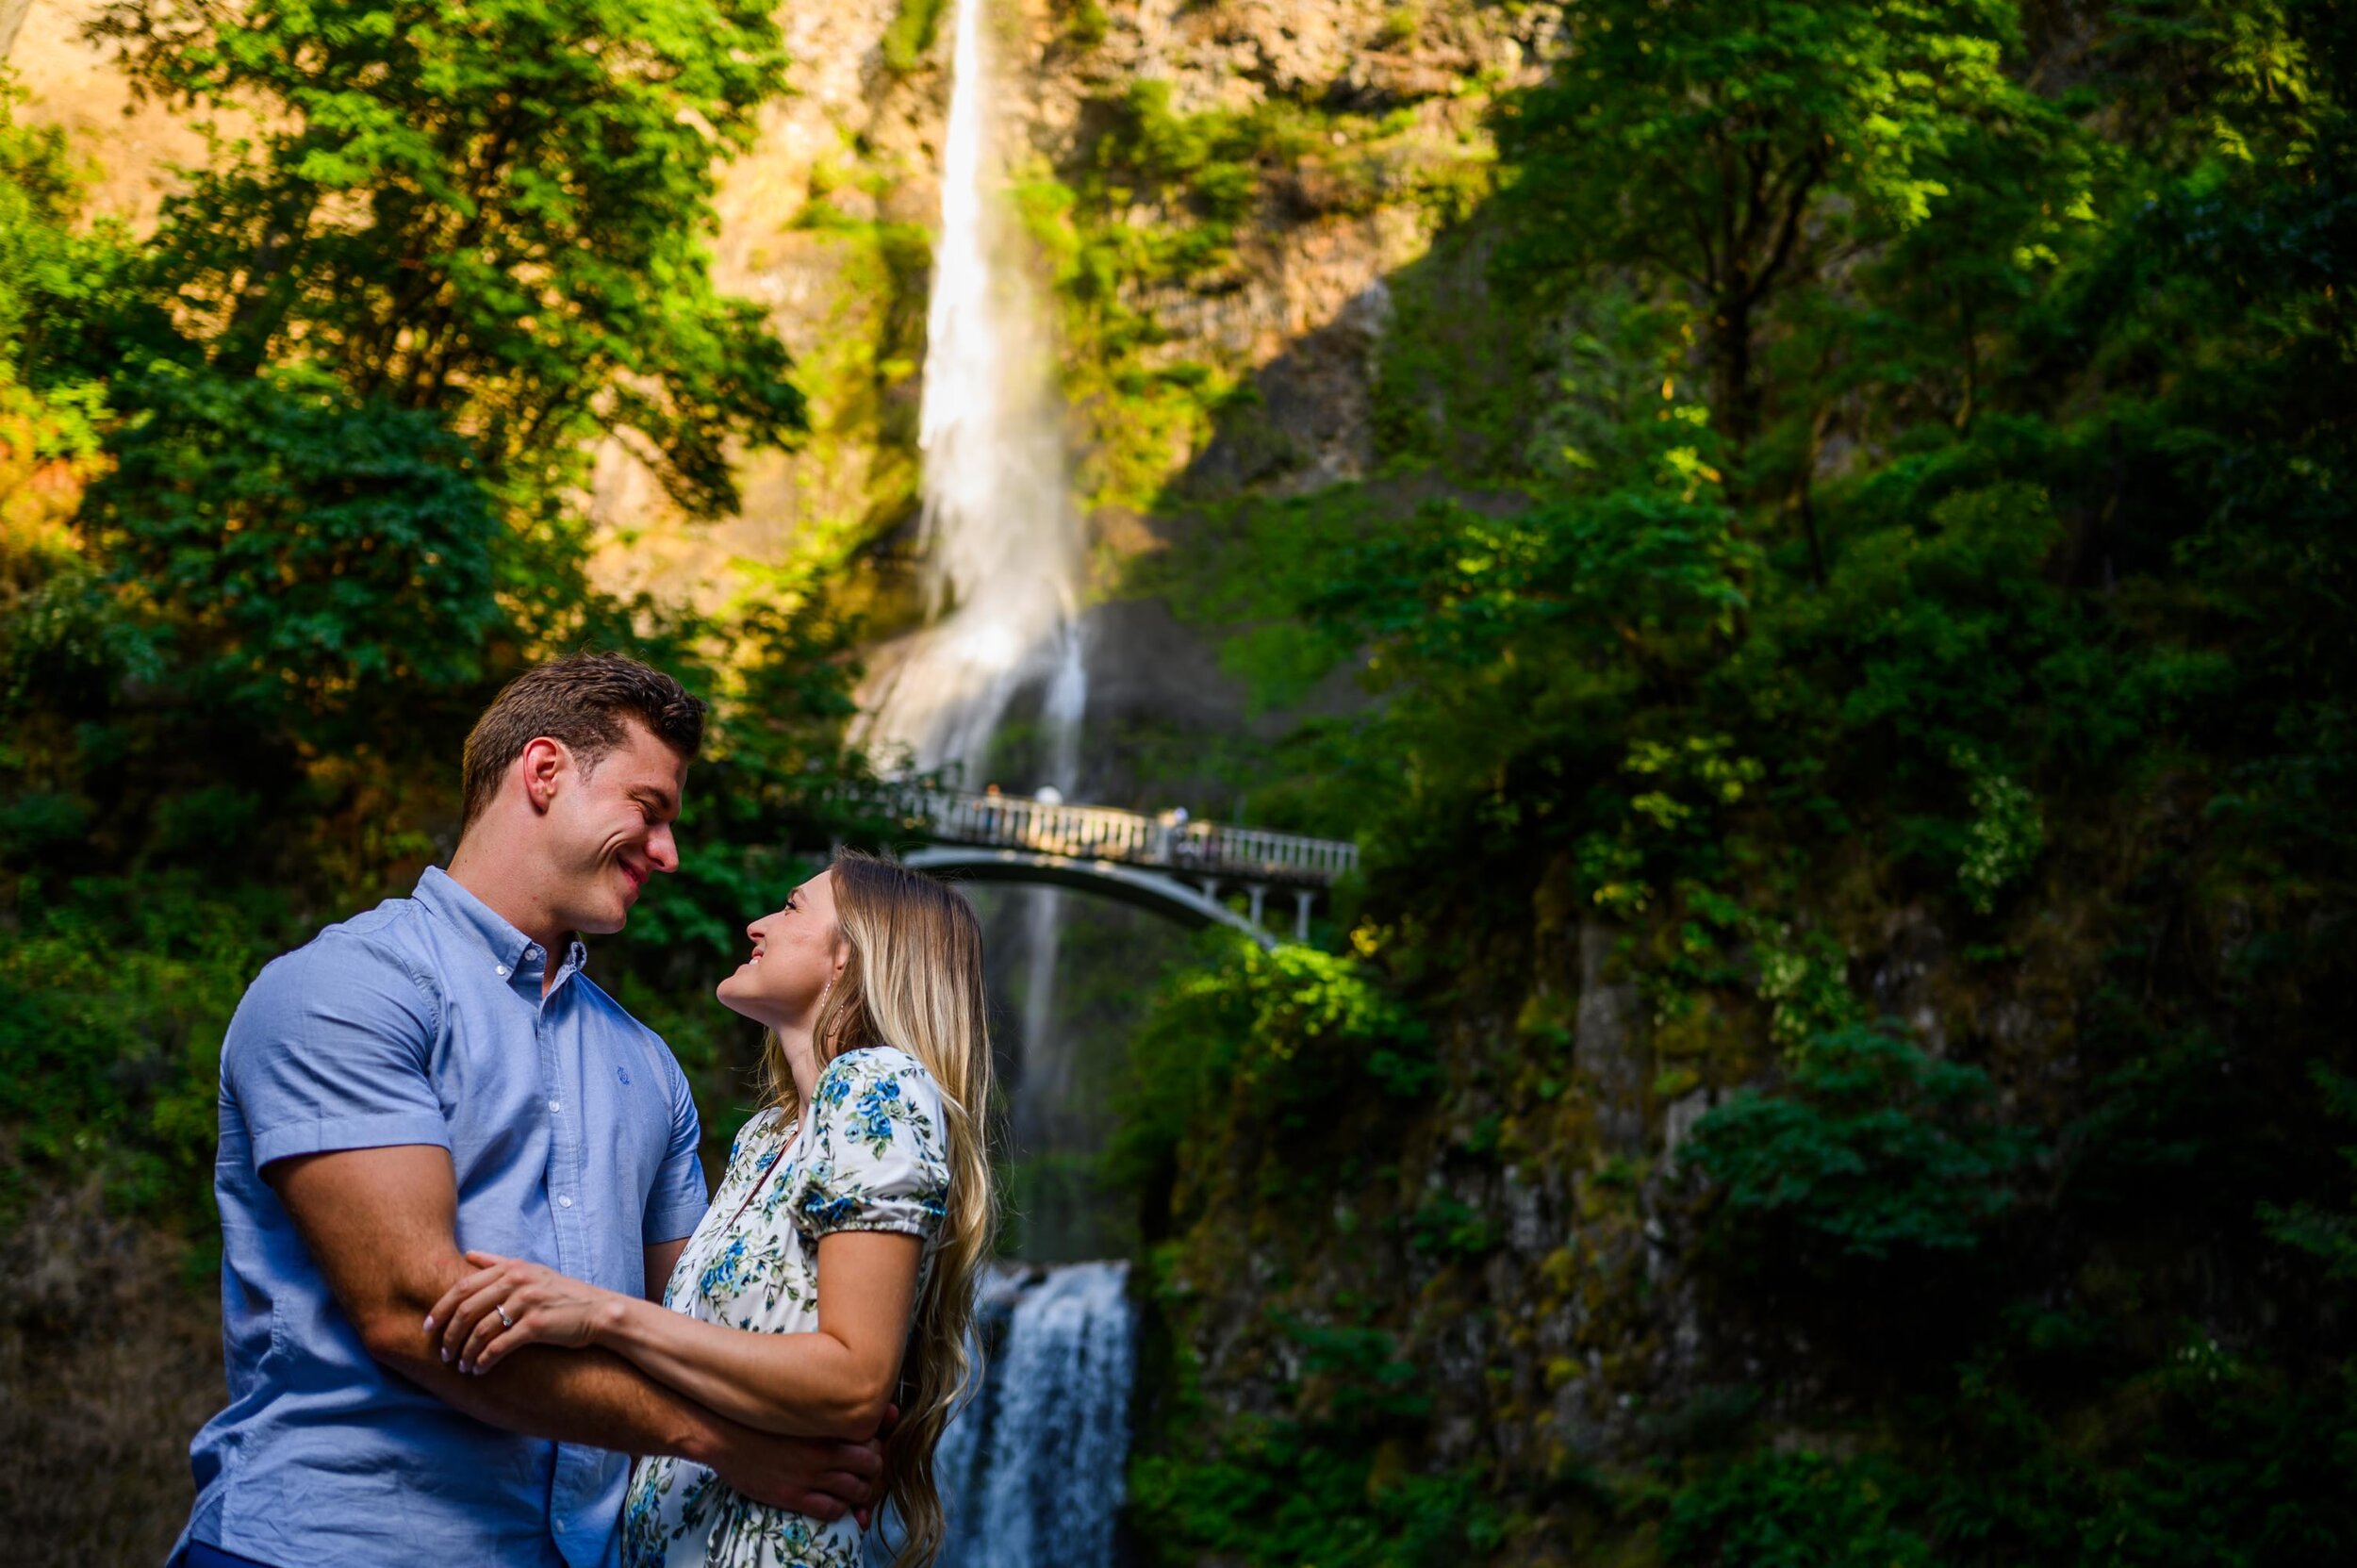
(798, 952)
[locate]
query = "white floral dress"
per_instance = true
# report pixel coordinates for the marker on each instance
(869, 1154)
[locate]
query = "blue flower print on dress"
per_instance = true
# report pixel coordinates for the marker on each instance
(721, 1271)
(870, 1154)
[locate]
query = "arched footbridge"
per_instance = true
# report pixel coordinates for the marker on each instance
(1162, 863)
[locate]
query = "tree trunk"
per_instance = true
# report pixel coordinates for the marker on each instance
(268, 291)
(1733, 397)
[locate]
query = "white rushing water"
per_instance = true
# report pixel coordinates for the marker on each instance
(1030, 1473)
(1002, 551)
(1047, 1053)
(1003, 558)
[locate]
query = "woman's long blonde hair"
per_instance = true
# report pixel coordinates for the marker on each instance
(915, 980)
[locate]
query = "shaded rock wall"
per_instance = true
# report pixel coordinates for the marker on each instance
(109, 1361)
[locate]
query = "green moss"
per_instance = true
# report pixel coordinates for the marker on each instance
(859, 377)
(1331, 1481)
(1087, 24)
(909, 37)
(1399, 27)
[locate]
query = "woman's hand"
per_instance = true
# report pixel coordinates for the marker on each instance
(508, 1303)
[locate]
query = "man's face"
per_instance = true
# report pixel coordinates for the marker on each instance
(610, 829)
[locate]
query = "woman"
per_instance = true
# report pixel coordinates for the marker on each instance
(857, 1204)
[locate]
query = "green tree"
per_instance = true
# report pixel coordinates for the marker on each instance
(1733, 150)
(287, 490)
(49, 434)
(313, 556)
(494, 212)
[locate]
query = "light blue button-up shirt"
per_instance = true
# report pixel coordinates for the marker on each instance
(572, 1135)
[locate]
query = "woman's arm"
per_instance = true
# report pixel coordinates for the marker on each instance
(829, 1382)
(835, 1381)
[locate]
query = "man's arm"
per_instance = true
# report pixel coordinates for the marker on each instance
(661, 1259)
(832, 1382)
(381, 1223)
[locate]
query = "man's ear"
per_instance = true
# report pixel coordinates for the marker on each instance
(544, 761)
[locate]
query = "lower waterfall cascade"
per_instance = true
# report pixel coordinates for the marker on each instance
(1030, 1470)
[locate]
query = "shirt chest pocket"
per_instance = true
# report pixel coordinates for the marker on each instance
(635, 1128)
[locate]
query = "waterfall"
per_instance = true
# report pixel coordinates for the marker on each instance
(1002, 552)
(1003, 560)
(1047, 1054)
(1003, 557)
(1031, 1472)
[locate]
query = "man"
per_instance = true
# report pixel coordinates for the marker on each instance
(440, 1073)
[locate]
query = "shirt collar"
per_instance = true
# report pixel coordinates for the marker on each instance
(511, 949)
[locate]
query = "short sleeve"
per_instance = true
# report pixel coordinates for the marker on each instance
(879, 1158)
(329, 1049)
(679, 1197)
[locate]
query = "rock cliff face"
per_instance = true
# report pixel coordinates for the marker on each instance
(1517, 1240)
(1339, 137)
(131, 145)
(1214, 345)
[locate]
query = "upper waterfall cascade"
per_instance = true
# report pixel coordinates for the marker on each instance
(1003, 558)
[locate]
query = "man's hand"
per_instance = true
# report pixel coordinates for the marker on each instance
(379, 1222)
(802, 1474)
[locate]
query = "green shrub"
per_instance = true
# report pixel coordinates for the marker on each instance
(1870, 1150)
(1260, 1038)
(114, 995)
(1444, 1227)
(1326, 1484)
(2327, 1236)
(1795, 1511)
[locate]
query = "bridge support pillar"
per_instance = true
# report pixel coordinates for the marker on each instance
(1301, 914)
(1259, 895)
(1210, 888)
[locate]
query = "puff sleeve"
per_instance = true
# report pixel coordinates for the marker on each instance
(879, 1158)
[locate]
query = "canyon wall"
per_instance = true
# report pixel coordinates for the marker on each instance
(1221, 336)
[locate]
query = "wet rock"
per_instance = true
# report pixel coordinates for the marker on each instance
(1607, 1047)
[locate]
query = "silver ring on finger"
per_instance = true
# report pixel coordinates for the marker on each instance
(505, 1321)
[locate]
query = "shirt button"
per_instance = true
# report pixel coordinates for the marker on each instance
(555, 1105)
(501, 969)
(565, 1202)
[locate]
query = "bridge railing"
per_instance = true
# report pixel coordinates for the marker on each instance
(1105, 832)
